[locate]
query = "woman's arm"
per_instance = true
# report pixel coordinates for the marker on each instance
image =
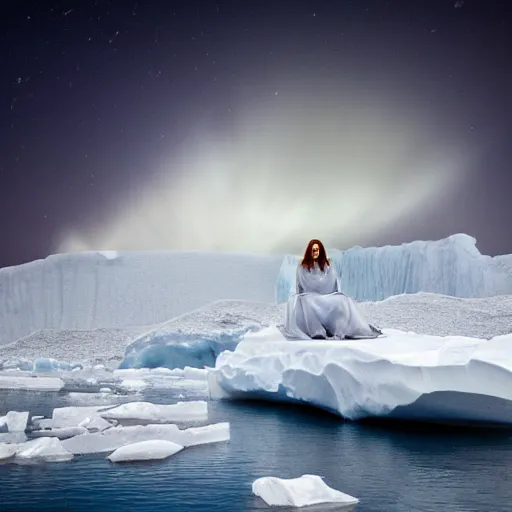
(298, 286)
(337, 277)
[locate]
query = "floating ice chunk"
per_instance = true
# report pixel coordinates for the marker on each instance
(13, 438)
(133, 384)
(60, 433)
(16, 421)
(298, 492)
(48, 449)
(144, 373)
(116, 437)
(93, 399)
(40, 422)
(51, 364)
(188, 378)
(7, 451)
(73, 416)
(216, 433)
(146, 411)
(195, 373)
(105, 390)
(31, 383)
(95, 424)
(145, 450)
(196, 385)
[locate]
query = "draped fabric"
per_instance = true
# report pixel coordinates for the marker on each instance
(319, 309)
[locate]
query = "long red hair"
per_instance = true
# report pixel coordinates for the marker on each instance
(308, 261)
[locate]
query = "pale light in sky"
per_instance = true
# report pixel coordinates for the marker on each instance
(285, 172)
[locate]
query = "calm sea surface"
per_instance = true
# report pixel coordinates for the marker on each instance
(389, 468)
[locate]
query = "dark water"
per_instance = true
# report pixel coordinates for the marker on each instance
(389, 468)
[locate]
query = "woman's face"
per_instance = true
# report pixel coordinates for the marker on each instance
(315, 251)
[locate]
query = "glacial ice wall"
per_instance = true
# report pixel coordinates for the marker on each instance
(109, 289)
(451, 266)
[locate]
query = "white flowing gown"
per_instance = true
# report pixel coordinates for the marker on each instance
(319, 308)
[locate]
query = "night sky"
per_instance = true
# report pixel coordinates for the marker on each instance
(253, 125)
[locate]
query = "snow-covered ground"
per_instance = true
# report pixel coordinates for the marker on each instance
(221, 324)
(98, 346)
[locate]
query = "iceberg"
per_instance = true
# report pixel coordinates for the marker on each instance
(451, 266)
(197, 338)
(402, 376)
(145, 450)
(304, 491)
(89, 290)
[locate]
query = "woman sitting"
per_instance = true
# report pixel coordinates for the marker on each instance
(319, 310)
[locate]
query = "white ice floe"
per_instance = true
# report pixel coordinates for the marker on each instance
(215, 433)
(7, 451)
(31, 383)
(304, 491)
(156, 413)
(47, 449)
(13, 437)
(73, 416)
(145, 450)
(83, 399)
(96, 424)
(403, 375)
(162, 378)
(60, 433)
(14, 421)
(133, 384)
(40, 423)
(187, 373)
(116, 437)
(154, 374)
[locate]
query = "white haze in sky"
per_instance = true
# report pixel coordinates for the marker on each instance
(286, 172)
